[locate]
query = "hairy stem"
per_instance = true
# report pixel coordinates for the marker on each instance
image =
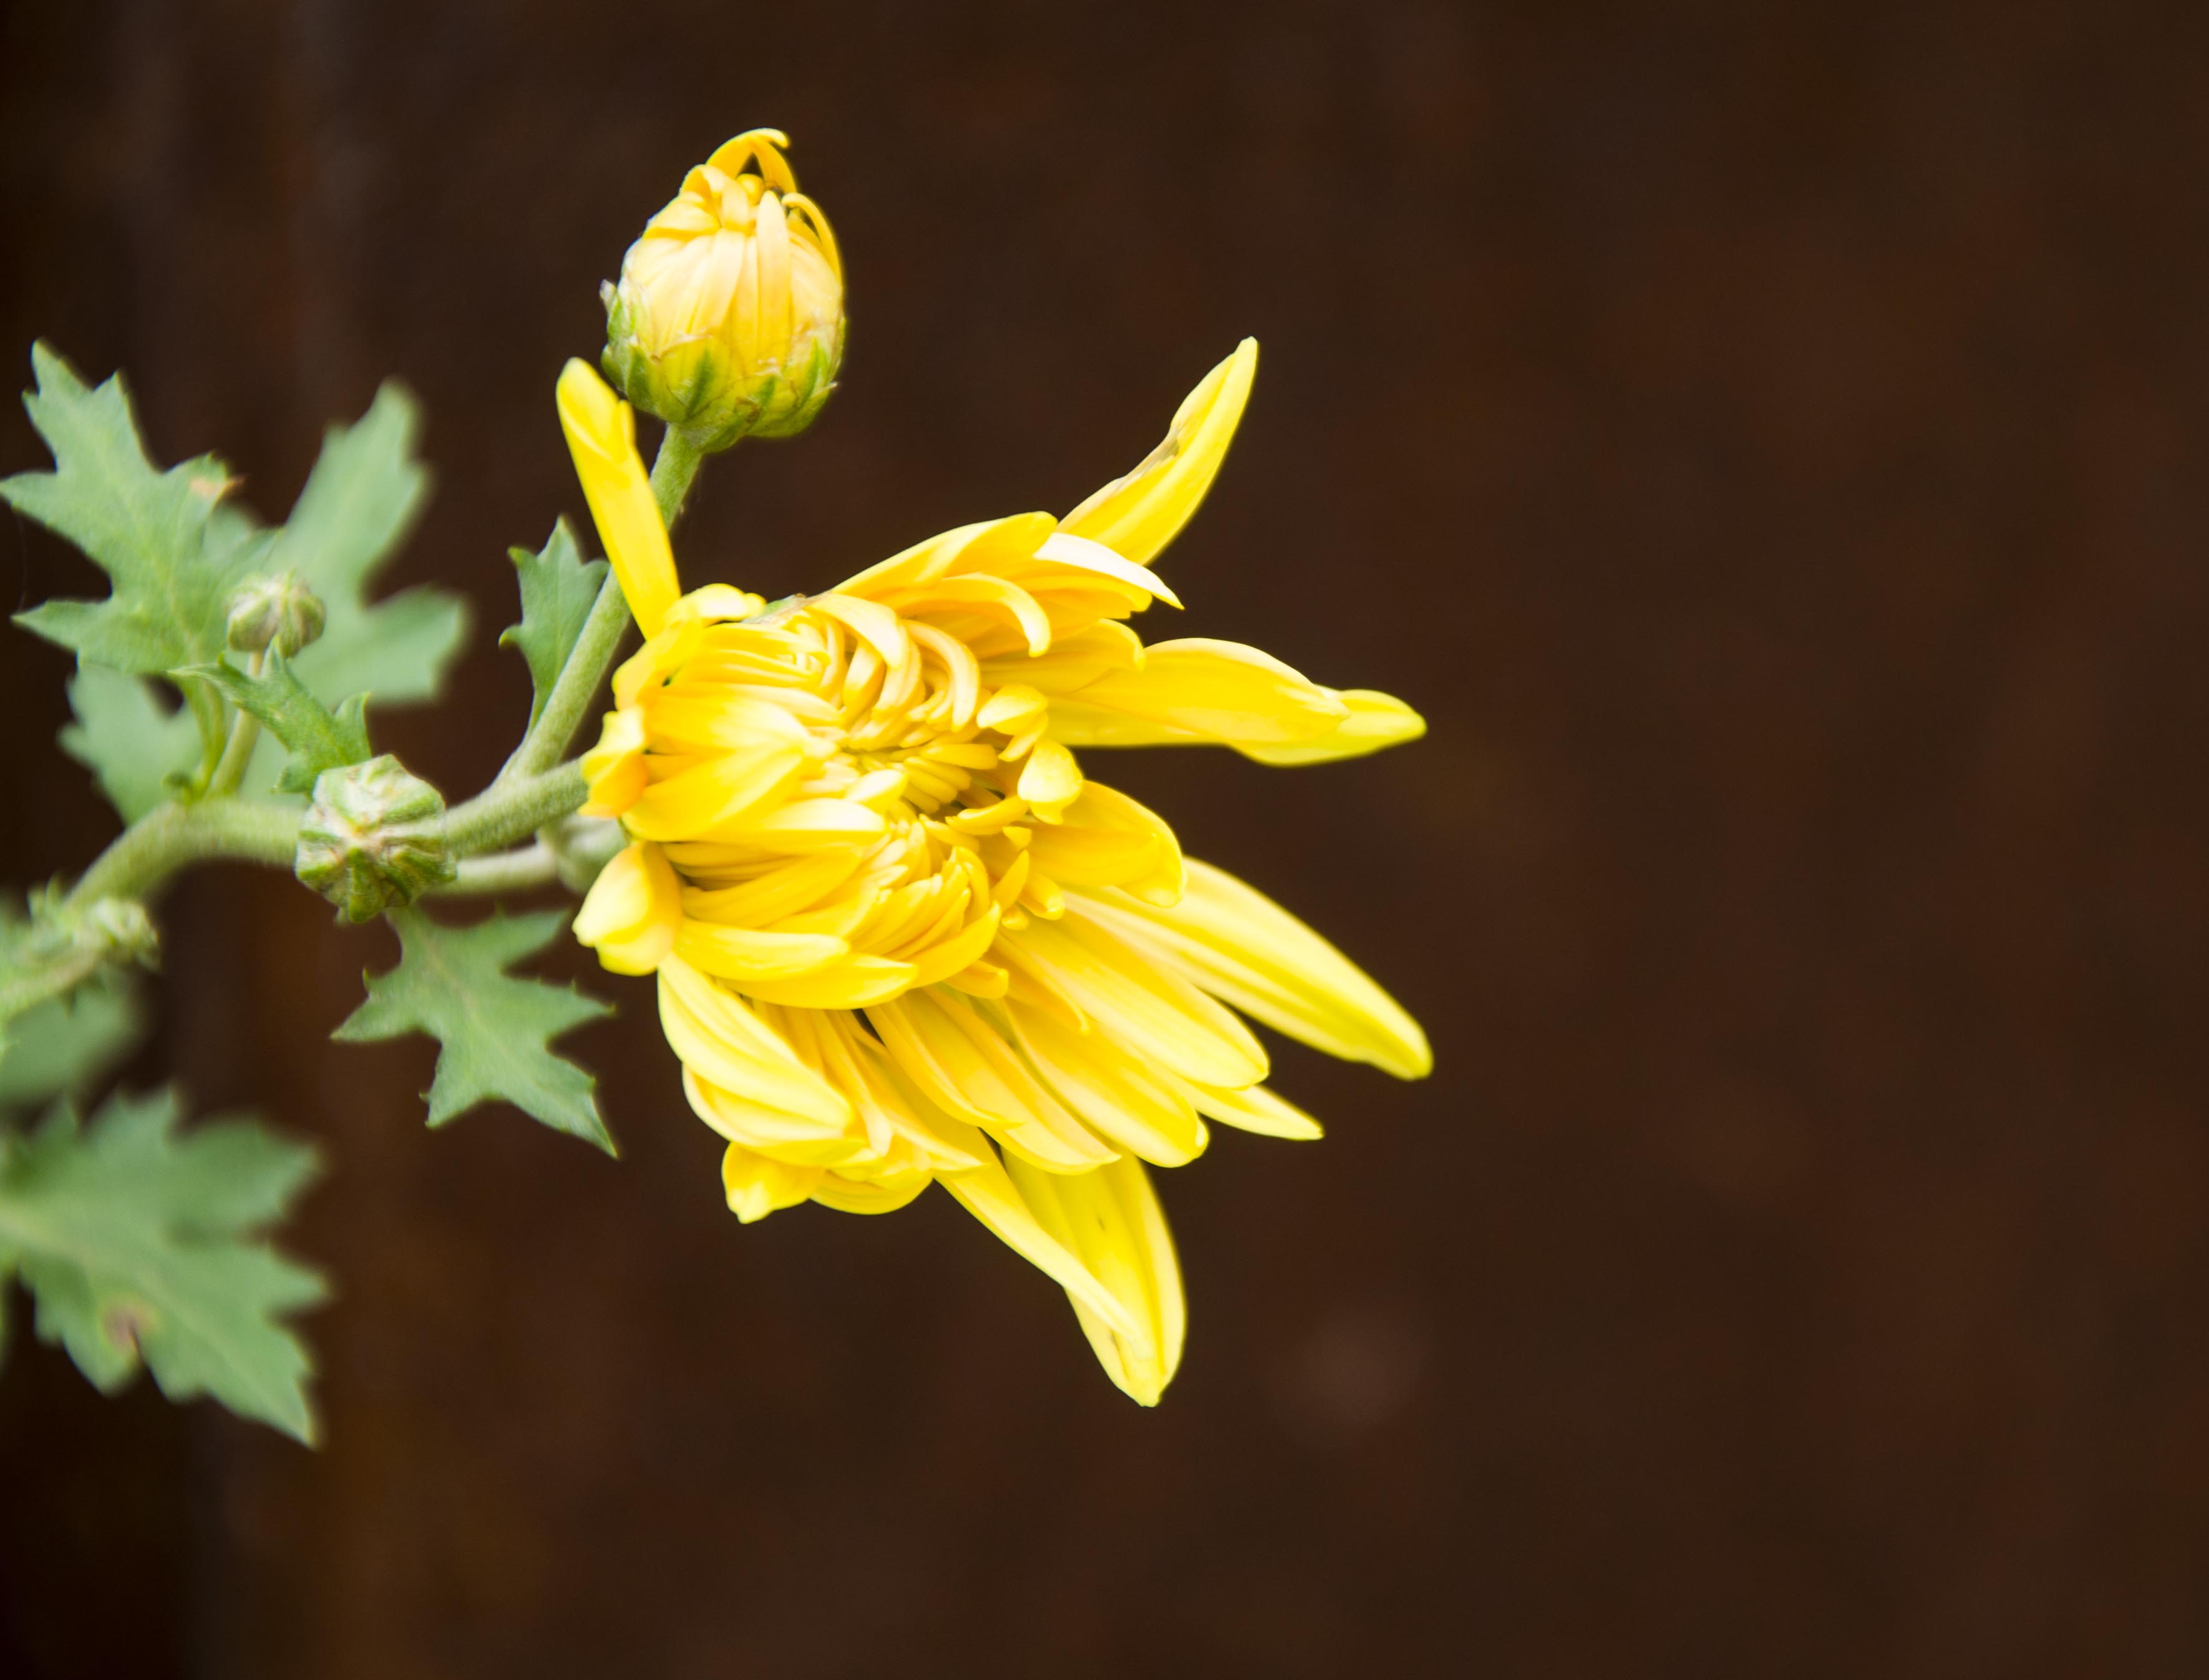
(237, 751)
(532, 865)
(577, 685)
(166, 838)
(672, 471)
(509, 810)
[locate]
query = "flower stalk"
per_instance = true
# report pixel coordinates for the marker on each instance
(673, 471)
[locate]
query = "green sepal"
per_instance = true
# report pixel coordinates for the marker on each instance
(317, 738)
(558, 589)
(494, 1029)
(140, 1243)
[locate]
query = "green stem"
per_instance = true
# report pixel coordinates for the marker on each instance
(237, 751)
(672, 471)
(577, 685)
(166, 838)
(509, 810)
(532, 865)
(30, 987)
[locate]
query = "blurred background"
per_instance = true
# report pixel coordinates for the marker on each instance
(1765, 442)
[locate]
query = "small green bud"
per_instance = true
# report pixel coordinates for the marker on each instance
(278, 612)
(374, 839)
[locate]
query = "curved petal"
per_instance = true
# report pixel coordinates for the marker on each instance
(1244, 950)
(1375, 721)
(1140, 514)
(1110, 1220)
(634, 911)
(602, 436)
(989, 1194)
(1199, 690)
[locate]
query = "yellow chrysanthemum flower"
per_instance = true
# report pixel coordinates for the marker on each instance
(900, 937)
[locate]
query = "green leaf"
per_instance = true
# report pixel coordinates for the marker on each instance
(318, 738)
(139, 1243)
(360, 503)
(558, 589)
(65, 1045)
(494, 1029)
(134, 747)
(172, 550)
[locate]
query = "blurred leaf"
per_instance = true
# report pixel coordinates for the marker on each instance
(558, 589)
(317, 738)
(493, 1028)
(138, 1242)
(170, 549)
(360, 502)
(66, 1046)
(127, 739)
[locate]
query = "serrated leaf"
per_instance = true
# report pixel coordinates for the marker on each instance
(170, 547)
(493, 1028)
(317, 738)
(132, 743)
(65, 1045)
(360, 503)
(558, 589)
(139, 1242)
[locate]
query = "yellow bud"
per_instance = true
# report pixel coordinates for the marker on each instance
(728, 320)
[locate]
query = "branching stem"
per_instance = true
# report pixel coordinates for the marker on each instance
(171, 836)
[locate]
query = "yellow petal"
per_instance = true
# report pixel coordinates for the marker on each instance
(1105, 839)
(1139, 514)
(875, 1195)
(718, 792)
(1248, 952)
(850, 983)
(959, 1062)
(633, 912)
(795, 1140)
(1200, 689)
(602, 438)
(1254, 1109)
(1151, 1008)
(757, 1186)
(1050, 778)
(1143, 1109)
(1109, 1219)
(746, 956)
(712, 1031)
(1375, 721)
(988, 1192)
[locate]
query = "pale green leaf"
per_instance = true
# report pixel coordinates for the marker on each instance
(65, 1045)
(139, 1243)
(132, 743)
(493, 1028)
(170, 547)
(317, 738)
(558, 589)
(360, 503)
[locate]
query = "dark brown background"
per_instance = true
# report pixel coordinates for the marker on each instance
(1765, 442)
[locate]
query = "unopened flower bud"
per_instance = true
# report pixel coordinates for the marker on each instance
(729, 318)
(278, 612)
(373, 839)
